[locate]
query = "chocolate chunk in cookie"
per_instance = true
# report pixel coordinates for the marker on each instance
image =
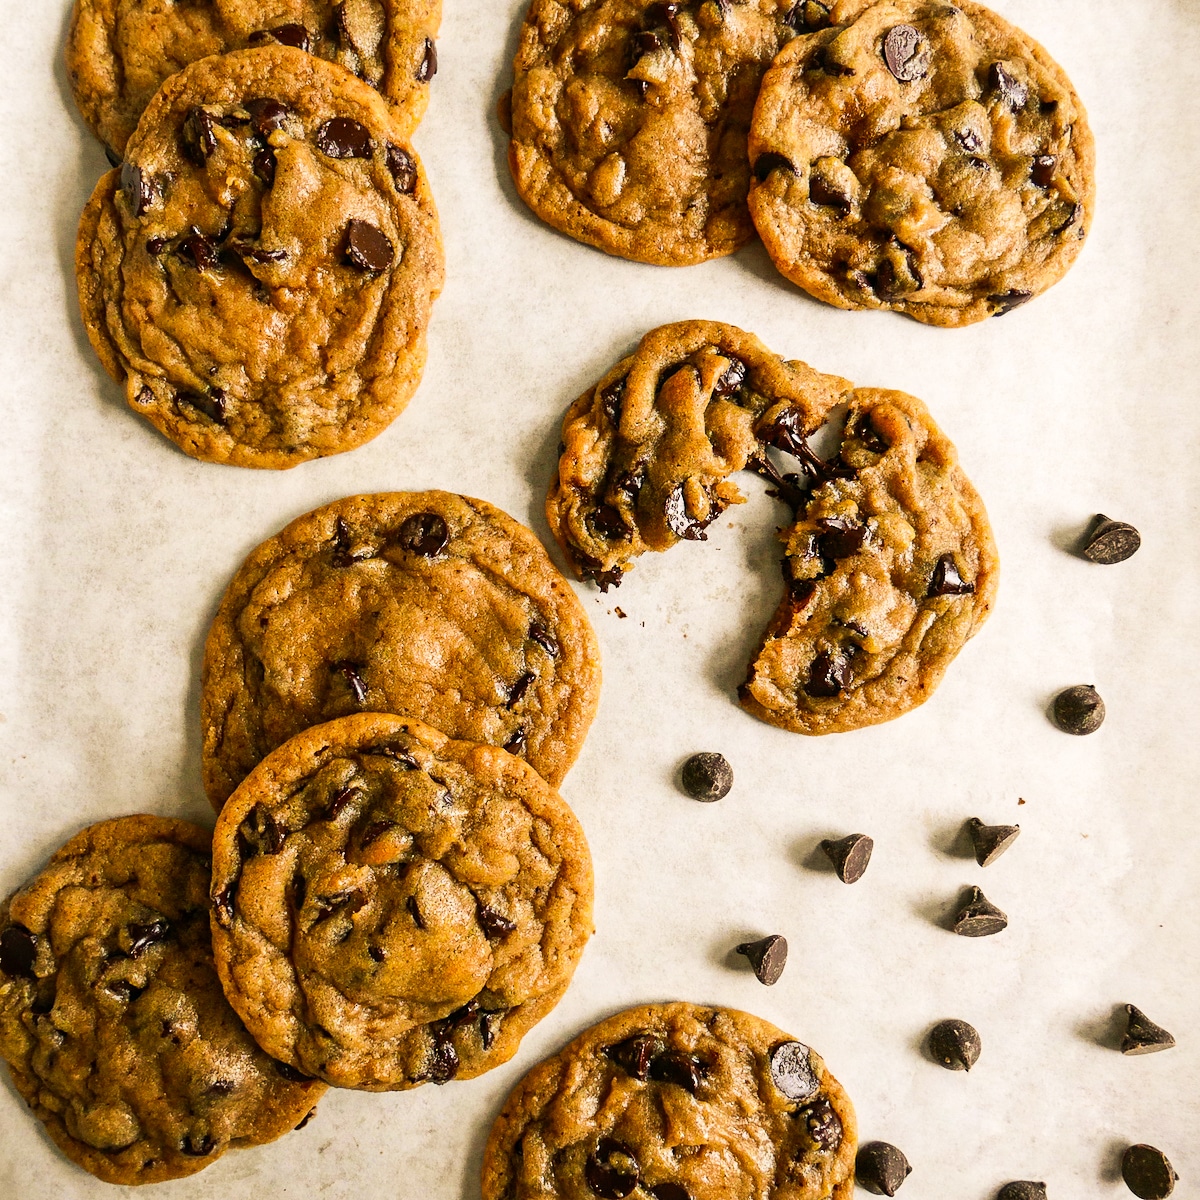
(260, 272)
(119, 52)
(409, 602)
(112, 1018)
(939, 162)
(392, 907)
(761, 1114)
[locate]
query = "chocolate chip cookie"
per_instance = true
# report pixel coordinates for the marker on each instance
(119, 52)
(391, 907)
(675, 1102)
(259, 273)
(921, 157)
(629, 120)
(889, 563)
(112, 1018)
(424, 603)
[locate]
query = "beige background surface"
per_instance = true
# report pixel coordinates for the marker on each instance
(116, 548)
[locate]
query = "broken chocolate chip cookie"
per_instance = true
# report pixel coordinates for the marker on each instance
(391, 907)
(675, 1102)
(921, 157)
(112, 1018)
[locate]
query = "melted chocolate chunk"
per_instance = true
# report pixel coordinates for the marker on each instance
(342, 798)
(671, 1066)
(287, 35)
(489, 1025)
(263, 166)
(18, 948)
(257, 253)
(543, 637)
(1012, 91)
(290, 1073)
(367, 247)
(199, 251)
(792, 1072)
(342, 554)
(665, 15)
(143, 936)
(197, 1147)
(223, 905)
(414, 911)
(424, 533)
(494, 924)
(808, 15)
(122, 989)
(375, 830)
(376, 953)
(403, 168)
(906, 53)
(669, 1191)
(443, 1061)
(343, 138)
(630, 483)
(1005, 302)
(840, 538)
(211, 405)
(141, 190)
(946, 581)
(198, 136)
(1042, 170)
(679, 522)
(519, 688)
(829, 675)
(612, 1172)
(610, 402)
(822, 1124)
(267, 115)
(516, 743)
(606, 522)
(429, 64)
(635, 1054)
(351, 672)
(764, 164)
(731, 379)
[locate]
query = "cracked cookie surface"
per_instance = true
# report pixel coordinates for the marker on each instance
(119, 52)
(629, 120)
(675, 1102)
(259, 274)
(391, 907)
(112, 1018)
(921, 157)
(410, 602)
(889, 562)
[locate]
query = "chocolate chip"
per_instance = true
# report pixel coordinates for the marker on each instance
(18, 948)
(368, 247)
(397, 754)
(428, 68)
(489, 1024)
(540, 634)
(764, 164)
(1072, 214)
(519, 688)
(212, 404)
(374, 831)
(828, 676)
(841, 538)
(906, 53)
(990, 841)
(610, 401)
(1079, 710)
(612, 1170)
(606, 522)
(516, 743)
(808, 15)
(223, 906)
(256, 253)
(141, 190)
(443, 1061)
(671, 1066)
(635, 1054)
(197, 1147)
(881, 1168)
(1012, 91)
(289, 35)
(123, 990)
(1110, 542)
(377, 953)
(267, 115)
(1147, 1172)
(955, 1045)
(308, 1116)
(707, 776)
(665, 14)
(414, 911)
(351, 673)
(424, 533)
(1022, 1189)
(198, 136)
(669, 1191)
(968, 139)
(290, 1073)
(822, 1124)
(155, 245)
(792, 1072)
(403, 168)
(114, 159)
(1042, 170)
(199, 250)
(221, 1087)
(822, 190)
(141, 937)
(678, 520)
(343, 138)
(263, 166)
(849, 855)
(1005, 302)
(978, 917)
(767, 956)
(731, 378)
(946, 581)
(494, 924)
(1142, 1036)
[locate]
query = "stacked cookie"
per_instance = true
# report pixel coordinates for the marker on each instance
(906, 155)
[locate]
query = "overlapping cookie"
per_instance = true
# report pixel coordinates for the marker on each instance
(424, 603)
(629, 120)
(112, 1018)
(921, 157)
(889, 562)
(259, 273)
(675, 1102)
(391, 907)
(119, 52)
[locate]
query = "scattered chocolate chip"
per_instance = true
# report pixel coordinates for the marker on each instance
(1110, 542)
(403, 168)
(606, 522)
(1142, 1036)
(828, 676)
(141, 190)
(955, 1045)
(414, 911)
(197, 1147)
(443, 1061)
(519, 688)
(767, 956)
(822, 1124)
(267, 115)
(290, 1073)
(707, 776)
(1022, 1189)
(263, 166)
(424, 533)
(849, 855)
(679, 522)
(540, 634)
(428, 68)
(212, 404)
(669, 1191)
(18, 948)
(198, 135)
(881, 1168)
(1072, 214)
(635, 1054)
(946, 580)
(990, 841)
(978, 917)
(840, 538)
(494, 924)
(764, 164)
(673, 1067)
(343, 138)
(351, 673)
(1042, 170)
(731, 378)
(1147, 1172)
(367, 247)
(1012, 91)
(808, 15)
(142, 937)
(1079, 710)
(612, 1170)
(906, 53)
(792, 1072)
(288, 35)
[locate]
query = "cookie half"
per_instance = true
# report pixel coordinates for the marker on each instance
(629, 120)
(120, 52)
(925, 158)
(259, 274)
(889, 562)
(391, 907)
(112, 1018)
(675, 1101)
(409, 602)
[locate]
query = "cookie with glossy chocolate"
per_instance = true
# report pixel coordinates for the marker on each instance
(391, 907)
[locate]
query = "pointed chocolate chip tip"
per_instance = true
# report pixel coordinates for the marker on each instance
(1142, 1035)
